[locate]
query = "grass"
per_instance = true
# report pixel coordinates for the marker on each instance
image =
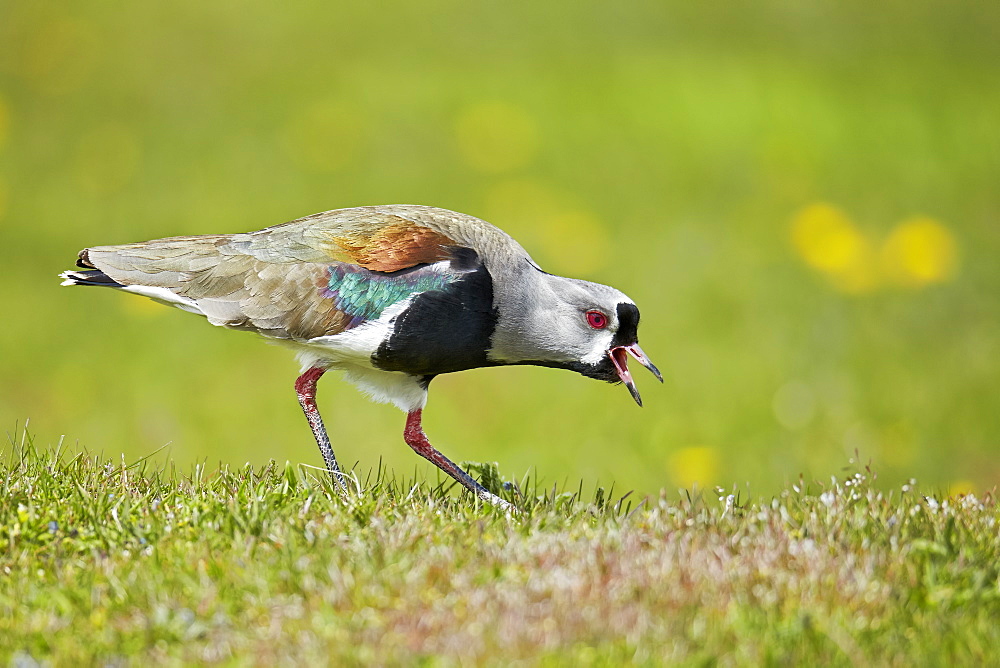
(108, 562)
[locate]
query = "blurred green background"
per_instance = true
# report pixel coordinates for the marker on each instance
(802, 198)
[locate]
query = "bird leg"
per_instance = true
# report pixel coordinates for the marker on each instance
(416, 439)
(305, 388)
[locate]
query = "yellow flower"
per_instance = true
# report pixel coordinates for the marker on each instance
(827, 239)
(694, 465)
(961, 488)
(918, 252)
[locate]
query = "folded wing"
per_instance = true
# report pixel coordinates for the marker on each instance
(316, 276)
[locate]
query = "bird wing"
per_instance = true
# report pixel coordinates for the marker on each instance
(316, 276)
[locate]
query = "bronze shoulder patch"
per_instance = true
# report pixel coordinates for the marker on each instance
(396, 246)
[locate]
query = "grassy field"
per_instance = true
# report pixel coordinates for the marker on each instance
(801, 198)
(105, 563)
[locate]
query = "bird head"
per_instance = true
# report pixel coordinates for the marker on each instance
(572, 324)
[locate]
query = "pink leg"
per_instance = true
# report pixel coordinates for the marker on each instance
(305, 388)
(416, 439)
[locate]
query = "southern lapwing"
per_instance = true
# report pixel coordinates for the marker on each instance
(392, 296)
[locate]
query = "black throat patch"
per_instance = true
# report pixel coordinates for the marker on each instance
(445, 330)
(628, 325)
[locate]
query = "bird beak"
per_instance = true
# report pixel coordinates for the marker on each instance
(619, 357)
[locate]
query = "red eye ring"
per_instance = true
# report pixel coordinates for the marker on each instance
(596, 319)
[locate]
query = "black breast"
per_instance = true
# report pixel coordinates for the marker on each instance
(443, 330)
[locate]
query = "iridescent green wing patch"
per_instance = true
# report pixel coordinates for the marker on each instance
(364, 295)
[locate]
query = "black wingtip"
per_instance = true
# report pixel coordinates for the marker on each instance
(89, 277)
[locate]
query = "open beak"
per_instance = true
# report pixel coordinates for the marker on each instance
(619, 356)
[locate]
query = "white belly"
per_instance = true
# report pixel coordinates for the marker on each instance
(351, 351)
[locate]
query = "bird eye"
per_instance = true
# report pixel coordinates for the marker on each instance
(597, 320)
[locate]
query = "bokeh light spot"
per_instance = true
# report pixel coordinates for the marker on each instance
(61, 55)
(496, 136)
(961, 488)
(106, 158)
(794, 404)
(827, 239)
(694, 465)
(918, 252)
(324, 137)
(556, 229)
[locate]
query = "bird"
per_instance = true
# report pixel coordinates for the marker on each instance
(393, 296)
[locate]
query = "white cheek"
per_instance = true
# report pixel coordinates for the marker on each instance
(602, 342)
